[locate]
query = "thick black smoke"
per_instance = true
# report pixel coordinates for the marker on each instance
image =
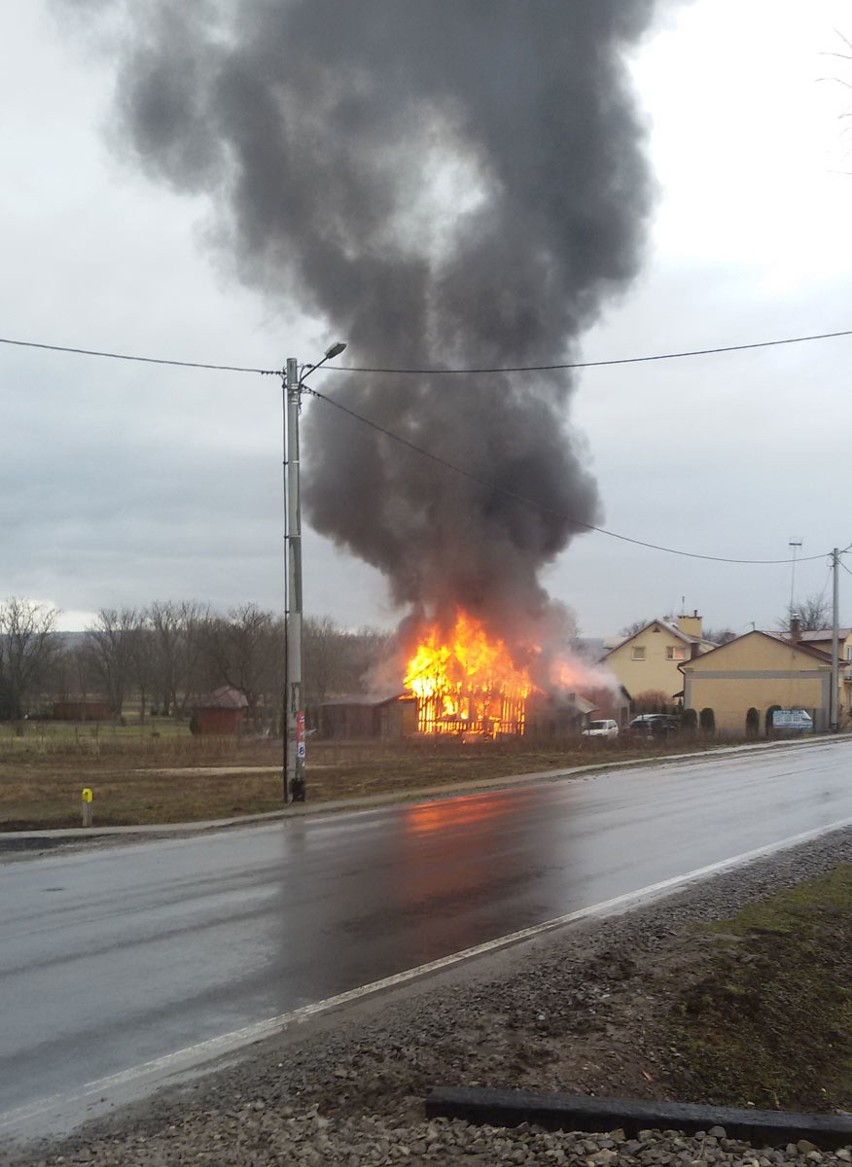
(445, 182)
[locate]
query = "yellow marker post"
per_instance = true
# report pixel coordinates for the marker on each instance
(87, 797)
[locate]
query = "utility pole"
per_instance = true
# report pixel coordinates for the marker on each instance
(833, 718)
(294, 709)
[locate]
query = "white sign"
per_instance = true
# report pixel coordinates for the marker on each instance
(792, 719)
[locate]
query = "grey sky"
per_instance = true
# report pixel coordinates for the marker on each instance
(121, 483)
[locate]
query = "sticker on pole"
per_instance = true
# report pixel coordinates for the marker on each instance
(300, 749)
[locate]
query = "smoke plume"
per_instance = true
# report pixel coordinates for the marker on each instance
(445, 183)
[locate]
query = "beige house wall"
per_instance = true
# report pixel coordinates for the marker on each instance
(845, 679)
(757, 670)
(730, 698)
(656, 671)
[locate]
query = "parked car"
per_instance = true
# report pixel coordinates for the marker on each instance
(654, 725)
(606, 728)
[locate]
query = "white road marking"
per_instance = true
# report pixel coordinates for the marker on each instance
(104, 1093)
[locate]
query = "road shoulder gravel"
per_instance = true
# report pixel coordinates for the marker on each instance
(574, 1012)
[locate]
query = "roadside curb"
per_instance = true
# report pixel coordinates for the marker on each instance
(509, 1108)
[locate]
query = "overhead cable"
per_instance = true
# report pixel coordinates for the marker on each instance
(435, 371)
(90, 352)
(539, 505)
(698, 352)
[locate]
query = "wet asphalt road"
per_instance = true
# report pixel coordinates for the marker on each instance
(110, 958)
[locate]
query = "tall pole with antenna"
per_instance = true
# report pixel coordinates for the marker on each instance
(795, 544)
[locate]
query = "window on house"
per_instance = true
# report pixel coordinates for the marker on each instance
(849, 652)
(638, 652)
(675, 652)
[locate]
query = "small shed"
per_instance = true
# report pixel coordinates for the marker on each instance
(396, 717)
(221, 712)
(363, 718)
(82, 709)
(553, 714)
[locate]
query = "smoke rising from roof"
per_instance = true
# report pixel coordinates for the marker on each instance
(444, 182)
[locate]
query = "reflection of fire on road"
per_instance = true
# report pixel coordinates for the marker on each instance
(466, 682)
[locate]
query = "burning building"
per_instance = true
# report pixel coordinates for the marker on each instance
(466, 682)
(451, 186)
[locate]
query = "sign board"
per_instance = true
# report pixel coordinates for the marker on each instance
(798, 719)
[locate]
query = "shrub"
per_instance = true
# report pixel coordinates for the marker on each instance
(769, 713)
(752, 725)
(689, 722)
(707, 721)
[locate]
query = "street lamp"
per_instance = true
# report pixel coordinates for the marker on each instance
(294, 712)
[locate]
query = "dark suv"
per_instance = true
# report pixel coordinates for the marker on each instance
(654, 725)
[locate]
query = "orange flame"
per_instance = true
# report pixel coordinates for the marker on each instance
(465, 681)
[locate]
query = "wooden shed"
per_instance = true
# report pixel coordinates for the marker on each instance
(221, 712)
(362, 718)
(82, 709)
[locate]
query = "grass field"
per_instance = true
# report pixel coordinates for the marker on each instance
(160, 773)
(766, 1018)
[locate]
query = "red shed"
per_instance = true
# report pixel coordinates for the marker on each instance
(223, 712)
(82, 709)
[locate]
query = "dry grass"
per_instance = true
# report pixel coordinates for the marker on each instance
(140, 777)
(766, 1019)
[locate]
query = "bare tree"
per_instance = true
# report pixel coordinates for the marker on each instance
(110, 643)
(652, 701)
(719, 635)
(844, 113)
(321, 645)
(813, 612)
(69, 673)
(27, 646)
(245, 650)
(631, 629)
(338, 662)
(142, 666)
(176, 646)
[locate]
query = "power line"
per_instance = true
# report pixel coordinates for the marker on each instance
(449, 465)
(537, 505)
(89, 352)
(667, 356)
(698, 352)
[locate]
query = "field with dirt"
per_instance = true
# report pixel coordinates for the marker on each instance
(162, 774)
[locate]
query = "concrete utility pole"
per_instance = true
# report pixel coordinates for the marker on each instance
(833, 718)
(294, 709)
(294, 776)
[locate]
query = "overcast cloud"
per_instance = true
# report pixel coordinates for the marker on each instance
(122, 483)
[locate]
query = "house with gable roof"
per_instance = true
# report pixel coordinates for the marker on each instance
(649, 660)
(821, 638)
(759, 670)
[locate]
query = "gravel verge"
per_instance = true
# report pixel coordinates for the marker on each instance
(572, 1012)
